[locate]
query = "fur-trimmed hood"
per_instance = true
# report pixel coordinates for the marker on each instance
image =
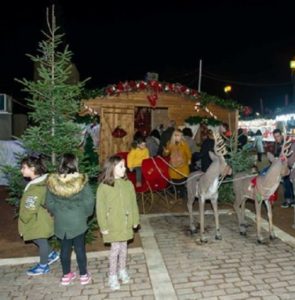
(66, 185)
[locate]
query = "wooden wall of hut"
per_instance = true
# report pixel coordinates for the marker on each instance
(119, 110)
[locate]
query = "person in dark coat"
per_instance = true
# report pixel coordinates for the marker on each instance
(242, 139)
(166, 136)
(207, 145)
(288, 187)
(153, 142)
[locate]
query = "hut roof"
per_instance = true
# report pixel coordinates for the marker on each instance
(152, 93)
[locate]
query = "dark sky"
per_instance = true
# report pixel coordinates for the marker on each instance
(247, 43)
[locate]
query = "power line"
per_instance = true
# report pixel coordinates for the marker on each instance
(218, 78)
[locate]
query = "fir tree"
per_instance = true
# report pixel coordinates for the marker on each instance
(53, 99)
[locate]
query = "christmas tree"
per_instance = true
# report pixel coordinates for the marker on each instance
(52, 98)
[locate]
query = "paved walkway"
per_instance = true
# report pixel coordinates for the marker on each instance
(173, 265)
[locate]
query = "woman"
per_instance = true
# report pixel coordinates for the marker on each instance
(180, 159)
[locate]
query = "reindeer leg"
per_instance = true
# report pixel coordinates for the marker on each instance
(258, 221)
(192, 226)
(216, 215)
(238, 206)
(243, 208)
(272, 235)
(202, 226)
(190, 202)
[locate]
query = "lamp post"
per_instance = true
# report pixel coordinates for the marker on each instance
(292, 67)
(227, 89)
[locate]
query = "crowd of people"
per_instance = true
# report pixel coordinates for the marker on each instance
(187, 153)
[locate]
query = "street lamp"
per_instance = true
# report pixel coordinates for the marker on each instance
(227, 89)
(292, 67)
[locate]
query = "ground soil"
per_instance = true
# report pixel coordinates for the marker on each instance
(11, 244)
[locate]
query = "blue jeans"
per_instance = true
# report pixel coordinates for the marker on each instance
(65, 254)
(288, 188)
(138, 174)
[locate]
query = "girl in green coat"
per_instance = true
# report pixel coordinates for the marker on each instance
(117, 215)
(34, 221)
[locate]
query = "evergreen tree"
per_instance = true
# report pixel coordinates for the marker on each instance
(53, 99)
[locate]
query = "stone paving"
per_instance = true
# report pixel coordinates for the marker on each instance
(174, 265)
(15, 284)
(233, 268)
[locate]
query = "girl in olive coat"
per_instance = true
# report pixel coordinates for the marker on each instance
(71, 201)
(34, 222)
(117, 215)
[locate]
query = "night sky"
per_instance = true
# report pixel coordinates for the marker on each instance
(247, 44)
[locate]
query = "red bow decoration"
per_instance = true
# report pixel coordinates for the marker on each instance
(120, 87)
(119, 132)
(274, 197)
(153, 100)
(247, 110)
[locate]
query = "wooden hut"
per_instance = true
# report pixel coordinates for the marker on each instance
(120, 106)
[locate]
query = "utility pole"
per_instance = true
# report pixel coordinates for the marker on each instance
(261, 106)
(286, 100)
(200, 76)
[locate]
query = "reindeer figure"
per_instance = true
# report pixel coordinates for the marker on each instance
(260, 190)
(205, 186)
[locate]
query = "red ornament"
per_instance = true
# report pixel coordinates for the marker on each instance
(120, 87)
(247, 110)
(111, 90)
(118, 132)
(182, 89)
(171, 87)
(132, 85)
(142, 85)
(153, 100)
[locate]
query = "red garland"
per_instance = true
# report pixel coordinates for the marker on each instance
(152, 85)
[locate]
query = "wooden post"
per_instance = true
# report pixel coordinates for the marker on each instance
(229, 122)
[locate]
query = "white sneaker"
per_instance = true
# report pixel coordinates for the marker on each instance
(123, 276)
(114, 283)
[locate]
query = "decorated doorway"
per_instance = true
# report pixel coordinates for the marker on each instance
(142, 120)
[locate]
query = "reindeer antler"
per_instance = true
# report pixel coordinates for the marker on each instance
(219, 145)
(285, 150)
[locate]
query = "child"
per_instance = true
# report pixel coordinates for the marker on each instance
(34, 221)
(138, 153)
(117, 214)
(70, 200)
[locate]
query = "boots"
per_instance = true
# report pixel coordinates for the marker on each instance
(114, 283)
